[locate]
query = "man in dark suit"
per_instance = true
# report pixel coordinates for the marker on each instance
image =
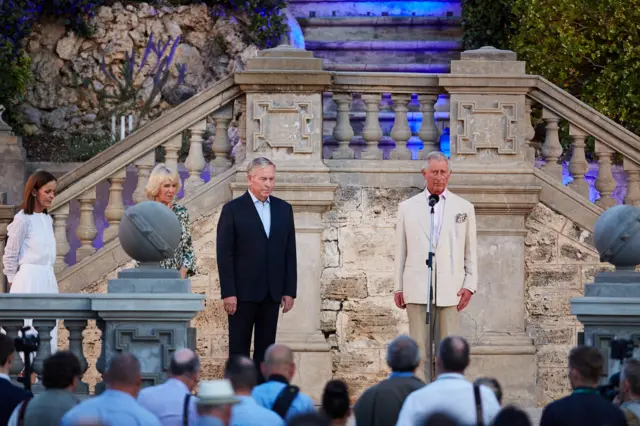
(584, 407)
(256, 250)
(10, 395)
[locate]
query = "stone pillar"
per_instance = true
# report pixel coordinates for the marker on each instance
(284, 89)
(487, 89)
(6, 216)
(12, 163)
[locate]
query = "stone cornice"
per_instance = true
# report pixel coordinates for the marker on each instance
(482, 83)
(500, 200)
(385, 83)
(261, 81)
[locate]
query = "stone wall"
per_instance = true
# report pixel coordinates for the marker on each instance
(56, 101)
(560, 258)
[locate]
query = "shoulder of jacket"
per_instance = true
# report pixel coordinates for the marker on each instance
(460, 200)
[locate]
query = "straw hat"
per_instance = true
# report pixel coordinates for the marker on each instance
(216, 392)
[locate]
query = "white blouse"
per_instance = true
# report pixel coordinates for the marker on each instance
(30, 242)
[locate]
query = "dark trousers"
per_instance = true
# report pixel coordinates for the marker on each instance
(264, 316)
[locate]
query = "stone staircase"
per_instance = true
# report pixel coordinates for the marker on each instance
(383, 36)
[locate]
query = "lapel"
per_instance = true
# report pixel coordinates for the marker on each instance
(424, 214)
(253, 214)
(448, 216)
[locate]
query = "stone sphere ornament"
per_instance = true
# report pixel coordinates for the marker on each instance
(617, 236)
(149, 232)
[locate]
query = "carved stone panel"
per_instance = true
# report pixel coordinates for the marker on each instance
(487, 127)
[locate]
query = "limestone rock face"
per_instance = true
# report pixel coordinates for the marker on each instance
(67, 71)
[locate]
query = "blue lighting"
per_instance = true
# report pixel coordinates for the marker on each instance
(445, 142)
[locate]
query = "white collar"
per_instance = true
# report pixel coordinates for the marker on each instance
(445, 194)
(5, 376)
(255, 199)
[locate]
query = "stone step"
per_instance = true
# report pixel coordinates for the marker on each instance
(361, 28)
(307, 8)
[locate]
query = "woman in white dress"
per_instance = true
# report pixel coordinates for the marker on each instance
(30, 252)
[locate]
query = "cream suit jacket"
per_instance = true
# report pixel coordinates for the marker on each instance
(455, 255)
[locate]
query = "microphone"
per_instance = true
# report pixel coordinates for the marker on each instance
(433, 200)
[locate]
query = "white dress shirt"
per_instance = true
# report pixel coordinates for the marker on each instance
(166, 402)
(438, 211)
(450, 394)
(264, 211)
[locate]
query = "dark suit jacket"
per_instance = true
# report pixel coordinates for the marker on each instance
(380, 405)
(250, 265)
(10, 396)
(582, 410)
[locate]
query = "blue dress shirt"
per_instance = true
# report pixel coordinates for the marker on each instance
(266, 394)
(264, 211)
(166, 402)
(249, 413)
(112, 408)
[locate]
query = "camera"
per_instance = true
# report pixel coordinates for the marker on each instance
(27, 344)
(621, 349)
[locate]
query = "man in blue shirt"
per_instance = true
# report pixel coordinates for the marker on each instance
(117, 405)
(171, 402)
(242, 374)
(279, 368)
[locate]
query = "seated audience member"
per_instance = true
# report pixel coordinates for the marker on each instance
(276, 393)
(172, 402)
(380, 404)
(511, 416)
(584, 407)
(215, 399)
(451, 393)
(10, 394)
(335, 402)
(60, 375)
(492, 384)
(242, 374)
(117, 405)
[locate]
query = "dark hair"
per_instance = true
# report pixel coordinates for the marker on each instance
(241, 372)
(511, 416)
(60, 369)
(587, 361)
(36, 181)
(190, 367)
(124, 369)
(439, 419)
(7, 347)
(335, 399)
(309, 419)
(454, 354)
(403, 354)
(492, 384)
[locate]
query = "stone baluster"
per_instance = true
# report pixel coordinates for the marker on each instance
(86, 231)
(605, 183)
(144, 165)
(60, 216)
(44, 328)
(221, 146)
(12, 327)
(101, 362)
(632, 197)
(343, 132)
(578, 165)
(75, 328)
(400, 132)
(240, 150)
(171, 150)
(428, 132)
(529, 131)
(551, 149)
(371, 133)
(115, 208)
(195, 161)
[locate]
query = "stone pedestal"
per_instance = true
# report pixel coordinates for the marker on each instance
(284, 124)
(610, 309)
(495, 173)
(146, 311)
(12, 163)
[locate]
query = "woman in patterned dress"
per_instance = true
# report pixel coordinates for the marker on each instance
(163, 186)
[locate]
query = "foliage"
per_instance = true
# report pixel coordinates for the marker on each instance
(16, 76)
(487, 23)
(263, 24)
(75, 148)
(128, 96)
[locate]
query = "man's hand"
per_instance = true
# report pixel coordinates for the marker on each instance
(465, 297)
(183, 272)
(230, 304)
(287, 304)
(398, 297)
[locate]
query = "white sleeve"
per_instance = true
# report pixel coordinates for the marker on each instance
(17, 232)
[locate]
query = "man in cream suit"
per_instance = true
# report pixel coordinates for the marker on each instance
(455, 270)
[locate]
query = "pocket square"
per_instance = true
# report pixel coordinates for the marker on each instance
(461, 217)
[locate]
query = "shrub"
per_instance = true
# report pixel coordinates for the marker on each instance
(487, 23)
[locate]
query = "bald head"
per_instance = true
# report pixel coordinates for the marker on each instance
(123, 371)
(453, 355)
(278, 359)
(242, 373)
(184, 362)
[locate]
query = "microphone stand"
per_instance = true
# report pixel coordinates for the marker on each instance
(433, 200)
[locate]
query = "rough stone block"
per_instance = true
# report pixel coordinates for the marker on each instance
(380, 205)
(328, 321)
(552, 276)
(552, 333)
(339, 285)
(540, 243)
(553, 356)
(589, 272)
(206, 225)
(545, 215)
(552, 384)
(330, 234)
(331, 305)
(573, 252)
(371, 324)
(347, 205)
(331, 254)
(219, 344)
(367, 249)
(544, 302)
(212, 317)
(206, 264)
(212, 368)
(312, 372)
(364, 361)
(578, 234)
(380, 284)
